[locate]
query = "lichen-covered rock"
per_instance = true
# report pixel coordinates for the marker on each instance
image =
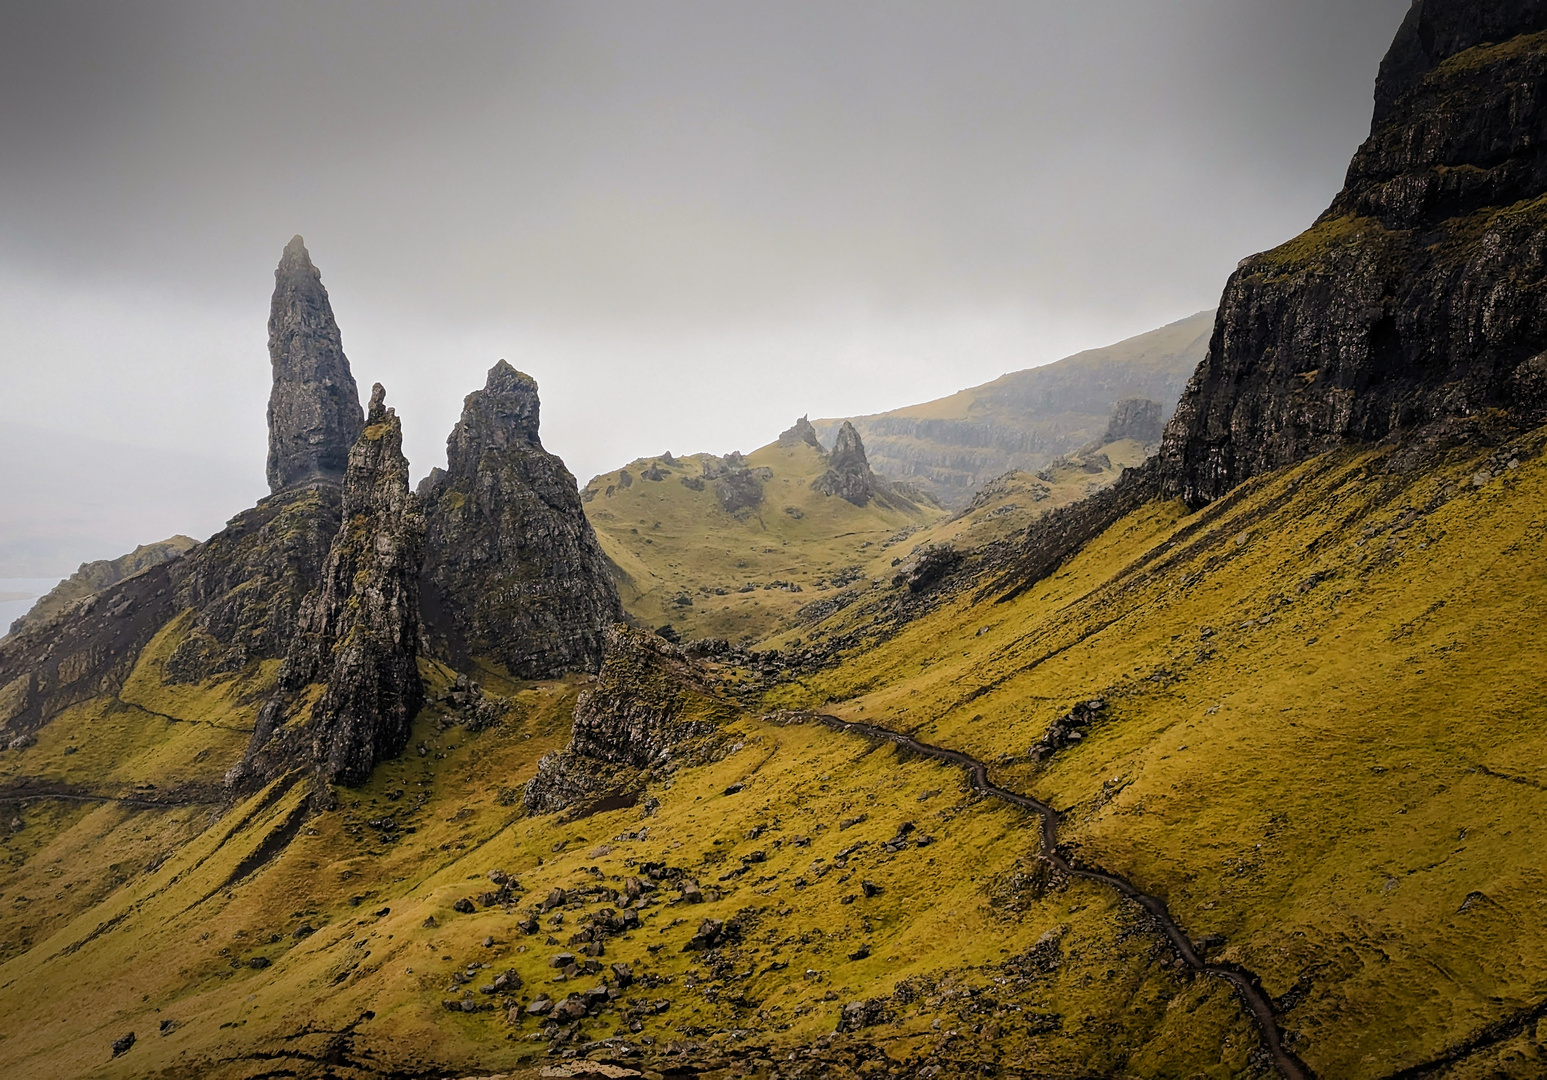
(513, 571)
(314, 407)
(848, 473)
(649, 704)
(246, 583)
(1420, 295)
(358, 633)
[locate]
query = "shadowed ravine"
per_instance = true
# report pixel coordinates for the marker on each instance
(1246, 984)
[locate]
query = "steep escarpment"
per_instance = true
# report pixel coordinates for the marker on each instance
(314, 408)
(358, 633)
(1420, 296)
(513, 571)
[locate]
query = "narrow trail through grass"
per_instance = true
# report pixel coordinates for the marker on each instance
(1246, 984)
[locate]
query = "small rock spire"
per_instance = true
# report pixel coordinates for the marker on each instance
(848, 471)
(314, 408)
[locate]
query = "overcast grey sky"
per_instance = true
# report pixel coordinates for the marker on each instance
(690, 221)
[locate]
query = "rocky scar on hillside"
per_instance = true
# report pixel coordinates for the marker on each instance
(513, 570)
(650, 709)
(314, 407)
(1420, 295)
(359, 632)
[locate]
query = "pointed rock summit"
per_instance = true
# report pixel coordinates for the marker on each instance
(359, 632)
(801, 432)
(513, 571)
(848, 472)
(314, 409)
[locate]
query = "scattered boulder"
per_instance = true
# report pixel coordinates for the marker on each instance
(122, 1044)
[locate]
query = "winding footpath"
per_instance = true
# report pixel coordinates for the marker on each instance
(1247, 986)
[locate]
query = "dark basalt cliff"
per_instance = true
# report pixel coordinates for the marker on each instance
(93, 577)
(358, 633)
(1420, 295)
(314, 408)
(513, 570)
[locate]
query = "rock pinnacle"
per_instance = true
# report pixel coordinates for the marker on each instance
(314, 408)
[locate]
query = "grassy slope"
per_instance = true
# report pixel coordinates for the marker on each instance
(672, 541)
(1343, 778)
(1296, 781)
(174, 941)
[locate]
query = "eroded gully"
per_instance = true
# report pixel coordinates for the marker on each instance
(1246, 985)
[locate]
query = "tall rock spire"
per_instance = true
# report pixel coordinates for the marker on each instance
(512, 570)
(314, 408)
(359, 631)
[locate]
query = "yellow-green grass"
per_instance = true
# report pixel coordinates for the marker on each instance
(1328, 739)
(673, 541)
(175, 941)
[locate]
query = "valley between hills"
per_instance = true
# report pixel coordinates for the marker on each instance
(1172, 711)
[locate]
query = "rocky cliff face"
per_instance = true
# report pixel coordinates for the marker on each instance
(1421, 294)
(246, 583)
(314, 408)
(358, 632)
(1139, 419)
(513, 570)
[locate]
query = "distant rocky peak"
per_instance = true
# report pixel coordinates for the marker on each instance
(504, 413)
(314, 408)
(848, 474)
(801, 432)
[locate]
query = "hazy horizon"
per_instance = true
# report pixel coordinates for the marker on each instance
(690, 222)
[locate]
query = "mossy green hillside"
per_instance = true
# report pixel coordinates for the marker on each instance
(749, 576)
(713, 573)
(1326, 734)
(967, 926)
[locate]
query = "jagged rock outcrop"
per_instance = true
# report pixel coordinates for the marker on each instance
(801, 432)
(1139, 419)
(95, 576)
(649, 708)
(848, 474)
(314, 407)
(1421, 294)
(358, 633)
(513, 571)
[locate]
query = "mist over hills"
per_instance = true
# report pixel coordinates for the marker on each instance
(1211, 750)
